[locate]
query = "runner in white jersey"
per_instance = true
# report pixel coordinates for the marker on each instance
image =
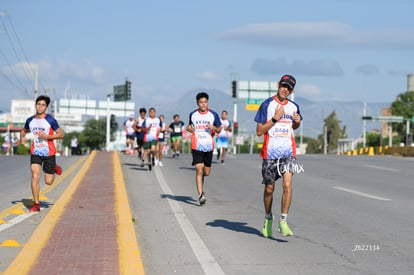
(223, 136)
(128, 126)
(276, 118)
(203, 123)
(45, 129)
(152, 126)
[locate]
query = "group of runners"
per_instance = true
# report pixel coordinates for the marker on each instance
(276, 119)
(146, 137)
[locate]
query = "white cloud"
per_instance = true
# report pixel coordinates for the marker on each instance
(305, 35)
(84, 70)
(318, 67)
(208, 76)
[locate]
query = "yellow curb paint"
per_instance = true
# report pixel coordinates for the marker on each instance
(18, 211)
(2, 221)
(129, 255)
(43, 198)
(10, 243)
(29, 202)
(28, 255)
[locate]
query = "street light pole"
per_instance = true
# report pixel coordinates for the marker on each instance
(108, 133)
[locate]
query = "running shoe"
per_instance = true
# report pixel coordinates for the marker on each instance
(160, 164)
(222, 161)
(267, 228)
(202, 199)
(149, 167)
(284, 229)
(58, 169)
(35, 208)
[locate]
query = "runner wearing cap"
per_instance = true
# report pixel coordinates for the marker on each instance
(276, 119)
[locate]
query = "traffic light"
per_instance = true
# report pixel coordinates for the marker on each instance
(367, 118)
(113, 123)
(128, 90)
(236, 128)
(234, 88)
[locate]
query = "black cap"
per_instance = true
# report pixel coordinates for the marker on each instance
(288, 80)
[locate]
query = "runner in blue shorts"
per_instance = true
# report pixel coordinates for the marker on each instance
(223, 136)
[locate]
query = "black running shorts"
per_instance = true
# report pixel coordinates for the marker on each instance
(49, 163)
(202, 157)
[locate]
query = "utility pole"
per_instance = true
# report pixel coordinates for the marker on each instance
(36, 80)
(108, 126)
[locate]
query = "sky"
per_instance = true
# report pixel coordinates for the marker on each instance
(343, 50)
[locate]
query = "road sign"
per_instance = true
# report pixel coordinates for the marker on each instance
(252, 107)
(119, 93)
(254, 101)
(253, 104)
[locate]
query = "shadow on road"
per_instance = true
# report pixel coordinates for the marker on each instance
(240, 227)
(28, 203)
(185, 199)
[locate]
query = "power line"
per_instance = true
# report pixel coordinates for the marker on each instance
(14, 48)
(20, 44)
(24, 64)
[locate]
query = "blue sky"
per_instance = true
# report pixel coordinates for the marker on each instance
(345, 50)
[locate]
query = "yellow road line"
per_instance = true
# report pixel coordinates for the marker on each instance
(129, 254)
(28, 255)
(11, 210)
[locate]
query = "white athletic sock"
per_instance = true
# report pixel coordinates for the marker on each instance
(283, 217)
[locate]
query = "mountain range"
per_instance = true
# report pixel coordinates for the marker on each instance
(313, 112)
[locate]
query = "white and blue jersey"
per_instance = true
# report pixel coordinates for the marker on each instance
(47, 124)
(152, 127)
(202, 138)
(279, 141)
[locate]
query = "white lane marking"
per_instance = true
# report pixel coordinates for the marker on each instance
(382, 168)
(361, 194)
(203, 255)
(15, 221)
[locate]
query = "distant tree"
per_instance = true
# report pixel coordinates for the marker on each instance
(403, 106)
(94, 133)
(373, 139)
(314, 146)
(333, 131)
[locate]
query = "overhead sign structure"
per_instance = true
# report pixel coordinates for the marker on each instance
(255, 92)
(384, 118)
(122, 92)
(256, 89)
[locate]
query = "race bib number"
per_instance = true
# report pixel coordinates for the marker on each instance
(177, 129)
(161, 135)
(280, 129)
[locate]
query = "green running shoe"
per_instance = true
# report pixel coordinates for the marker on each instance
(284, 229)
(267, 228)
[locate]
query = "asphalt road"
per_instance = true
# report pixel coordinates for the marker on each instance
(349, 215)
